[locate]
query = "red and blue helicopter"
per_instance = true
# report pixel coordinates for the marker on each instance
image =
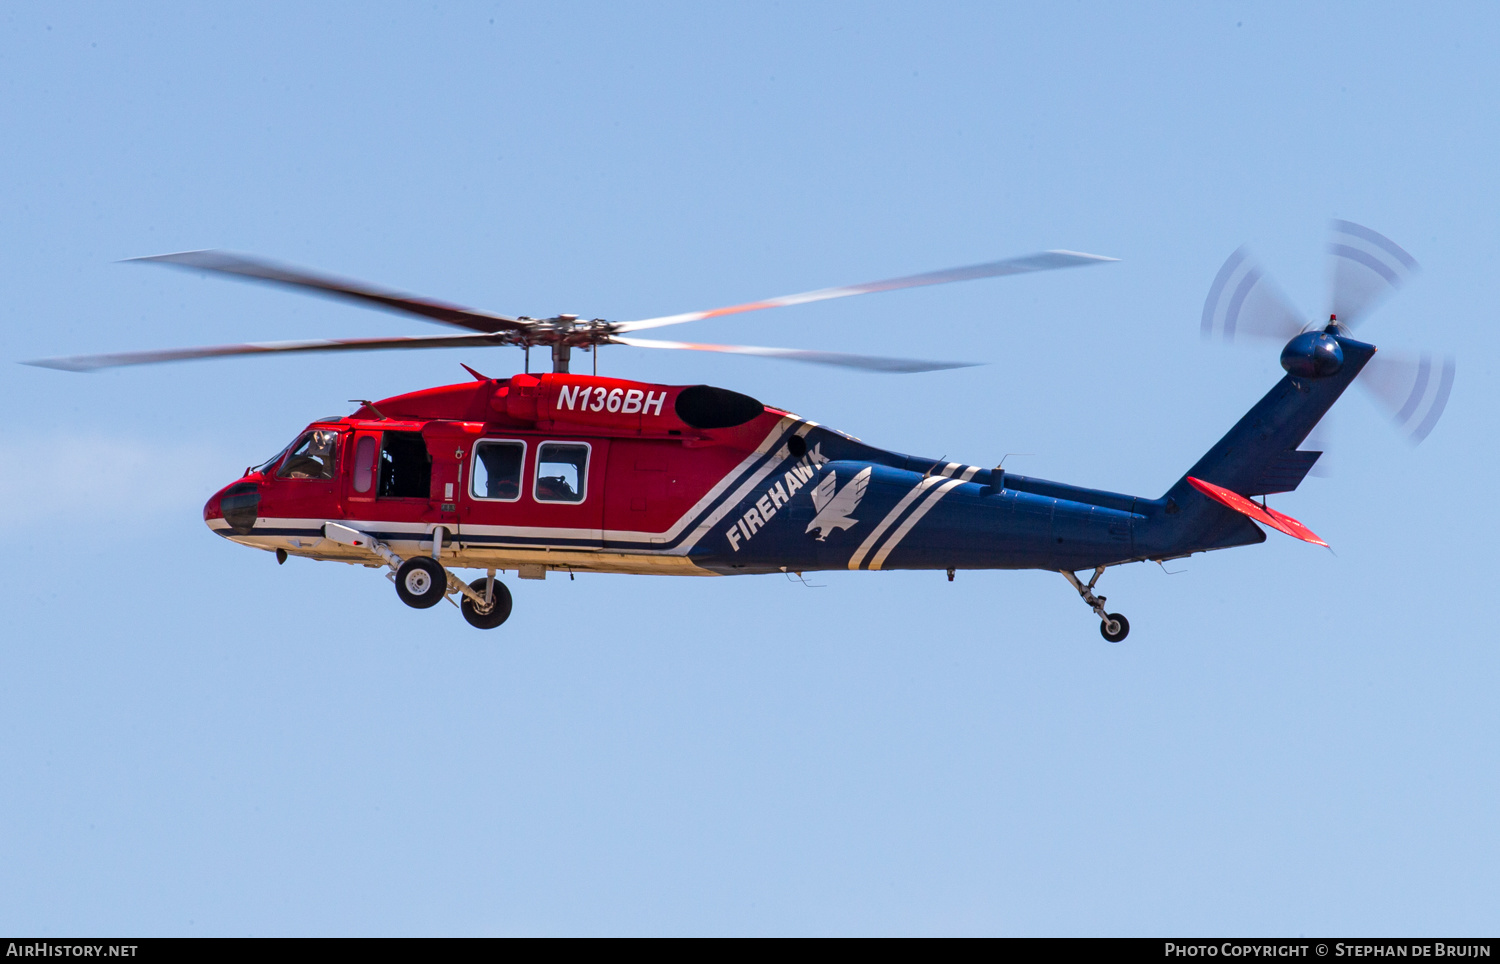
(562, 471)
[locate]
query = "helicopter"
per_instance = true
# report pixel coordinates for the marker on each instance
(562, 471)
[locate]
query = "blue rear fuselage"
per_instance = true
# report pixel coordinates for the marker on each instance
(828, 501)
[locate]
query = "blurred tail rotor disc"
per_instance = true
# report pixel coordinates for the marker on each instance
(1364, 268)
(1244, 301)
(1412, 388)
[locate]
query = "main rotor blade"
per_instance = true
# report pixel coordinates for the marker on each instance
(1045, 261)
(1363, 267)
(1413, 388)
(89, 363)
(1243, 300)
(245, 266)
(866, 362)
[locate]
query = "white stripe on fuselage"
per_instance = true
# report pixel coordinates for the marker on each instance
(950, 471)
(892, 516)
(912, 520)
(717, 516)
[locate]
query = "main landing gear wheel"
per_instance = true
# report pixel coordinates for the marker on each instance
(421, 582)
(499, 608)
(1121, 624)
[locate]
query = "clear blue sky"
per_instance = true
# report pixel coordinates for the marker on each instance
(196, 741)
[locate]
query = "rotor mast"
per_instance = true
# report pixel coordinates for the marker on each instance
(561, 350)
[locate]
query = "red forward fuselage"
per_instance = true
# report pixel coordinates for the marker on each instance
(513, 473)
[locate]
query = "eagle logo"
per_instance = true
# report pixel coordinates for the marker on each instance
(834, 508)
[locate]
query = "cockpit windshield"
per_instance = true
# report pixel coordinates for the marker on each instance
(312, 456)
(269, 463)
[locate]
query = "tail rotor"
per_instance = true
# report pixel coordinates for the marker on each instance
(1412, 388)
(1245, 302)
(1364, 269)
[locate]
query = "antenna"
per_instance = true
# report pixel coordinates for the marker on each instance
(371, 406)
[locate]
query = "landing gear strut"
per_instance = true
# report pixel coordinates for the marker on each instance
(423, 581)
(1112, 626)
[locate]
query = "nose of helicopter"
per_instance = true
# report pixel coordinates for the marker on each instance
(237, 504)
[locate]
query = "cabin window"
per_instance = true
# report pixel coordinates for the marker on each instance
(496, 474)
(562, 472)
(405, 466)
(312, 456)
(364, 464)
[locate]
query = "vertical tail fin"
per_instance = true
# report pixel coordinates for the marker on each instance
(1258, 456)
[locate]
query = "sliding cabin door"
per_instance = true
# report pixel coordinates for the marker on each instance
(448, 445)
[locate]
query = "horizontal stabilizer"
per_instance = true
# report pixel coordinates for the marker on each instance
(1262, 514)
(1284, 473)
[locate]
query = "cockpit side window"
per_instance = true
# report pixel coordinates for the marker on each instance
(312, 457)
(562, 472)
(405, 466)
(497, 470)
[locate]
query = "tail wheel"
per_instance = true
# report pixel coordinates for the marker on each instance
(498, 611)
(1121, 627)
(421, 582)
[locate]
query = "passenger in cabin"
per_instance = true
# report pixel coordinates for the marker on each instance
(562, 471)
(497, 470)
(555, 488)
